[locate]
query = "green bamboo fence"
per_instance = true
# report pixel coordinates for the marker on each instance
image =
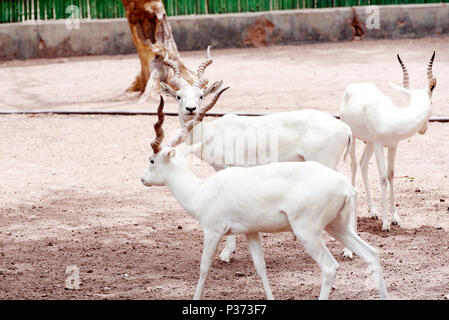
(26, 10)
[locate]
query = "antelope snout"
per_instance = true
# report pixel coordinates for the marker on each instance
(190, 109)
(144, 182)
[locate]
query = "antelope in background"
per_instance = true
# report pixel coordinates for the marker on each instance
(375, 119)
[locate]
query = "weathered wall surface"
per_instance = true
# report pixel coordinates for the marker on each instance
(265, 28)
(53, 39)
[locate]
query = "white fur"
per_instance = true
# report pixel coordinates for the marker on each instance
(190, 98)
(302, 135)
(305, 198)
(375, 119)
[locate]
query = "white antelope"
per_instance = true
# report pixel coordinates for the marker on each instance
(189, 96)
(300, 135)
(303, 197)
(375, 119)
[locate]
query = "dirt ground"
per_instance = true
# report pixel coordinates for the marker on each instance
(71, 193)
(278, 78)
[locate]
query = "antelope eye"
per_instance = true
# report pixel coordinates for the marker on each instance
(201, 97)
(178, 97)
(152, 161)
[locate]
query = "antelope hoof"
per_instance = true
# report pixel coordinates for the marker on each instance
(373, 213)
(386, 226)
(347, 253)
(395, 220)
(225, 255)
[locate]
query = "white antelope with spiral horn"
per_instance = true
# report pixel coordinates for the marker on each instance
(375, 119)
(305, 198)
(189, 96)
(300, 135)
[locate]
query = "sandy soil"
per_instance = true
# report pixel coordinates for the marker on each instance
(261, 79)
(71, 193)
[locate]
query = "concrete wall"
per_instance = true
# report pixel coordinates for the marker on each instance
(53, 39)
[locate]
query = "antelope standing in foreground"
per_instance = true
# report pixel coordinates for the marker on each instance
(375, 119)
(303, 197)
(301, 135)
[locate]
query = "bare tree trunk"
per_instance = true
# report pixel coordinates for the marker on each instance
(153, 38)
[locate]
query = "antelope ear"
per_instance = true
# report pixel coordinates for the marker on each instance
(432, 84)
(214, 87)
(400, 88)
(165, 88)
(169, 154)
